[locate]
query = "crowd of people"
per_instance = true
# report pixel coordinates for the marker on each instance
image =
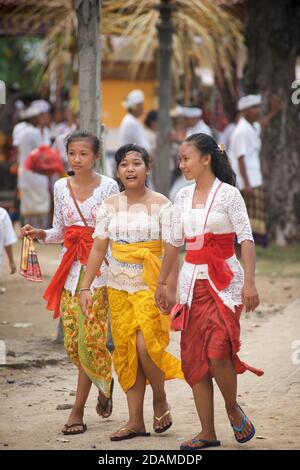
(121, 243)
(241, 139)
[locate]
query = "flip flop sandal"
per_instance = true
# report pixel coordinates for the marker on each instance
(241, 428)
(109, 404)
(131, 435)
(205, 445)
(160, 430)
(75, 425)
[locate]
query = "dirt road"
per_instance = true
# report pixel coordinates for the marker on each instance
(37, 377)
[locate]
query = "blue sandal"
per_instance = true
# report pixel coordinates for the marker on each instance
(241, 428)
(205, 443)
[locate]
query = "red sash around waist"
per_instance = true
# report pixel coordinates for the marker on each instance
(215, 250)
(78, 241)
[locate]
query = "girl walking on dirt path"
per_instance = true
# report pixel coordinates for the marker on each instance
(137, 223)
(208, 215)
(76, 202)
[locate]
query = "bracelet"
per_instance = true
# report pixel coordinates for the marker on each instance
(162, 283)
(84, 288)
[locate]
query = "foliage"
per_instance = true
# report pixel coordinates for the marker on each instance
(15, 55)
(205, 34)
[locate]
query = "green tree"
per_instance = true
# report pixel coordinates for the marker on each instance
(273, 40)
(16, 55)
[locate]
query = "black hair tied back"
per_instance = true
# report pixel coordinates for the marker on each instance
(220, 163)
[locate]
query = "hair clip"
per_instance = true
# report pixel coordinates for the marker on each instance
(222, 148)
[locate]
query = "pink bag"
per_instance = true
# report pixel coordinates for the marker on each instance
(179, 317)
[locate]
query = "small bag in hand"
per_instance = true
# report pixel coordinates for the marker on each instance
(29, 266)
(179, 317)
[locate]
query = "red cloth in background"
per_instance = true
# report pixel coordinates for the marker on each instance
(44, 160)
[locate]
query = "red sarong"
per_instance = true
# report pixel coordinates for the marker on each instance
(78, 241)
(213, 332)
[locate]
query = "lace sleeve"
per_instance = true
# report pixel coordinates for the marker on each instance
(114, 188)
(238, 216)
(102, 222)
(56, 233)
(177, 233)
(165, 221)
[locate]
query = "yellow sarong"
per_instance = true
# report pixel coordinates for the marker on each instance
(132, 312)
(148, 254)
(85, 341)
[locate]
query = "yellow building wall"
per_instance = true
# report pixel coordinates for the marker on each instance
(115, 91)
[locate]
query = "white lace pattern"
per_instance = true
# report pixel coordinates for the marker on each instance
(66, 214)
(131, 227)
(228, 214)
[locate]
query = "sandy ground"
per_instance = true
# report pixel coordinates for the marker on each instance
(37, 376)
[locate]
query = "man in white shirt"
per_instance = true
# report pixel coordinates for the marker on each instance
(194, 121)
(44, 120)
(244, 154)
(33, 187)
(131, 129)
(7, 240)
(194, 125)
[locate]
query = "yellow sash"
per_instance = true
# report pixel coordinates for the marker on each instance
(146, 253)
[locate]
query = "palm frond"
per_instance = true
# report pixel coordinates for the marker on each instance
(205, 34)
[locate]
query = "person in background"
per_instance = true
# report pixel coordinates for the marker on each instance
(194, 122)
(244, 154)
(224, 131)
(33, 187)
(131, 129)
(18, 128)
(68, 128)
(7, 240)
(151, 128)
(44, 120)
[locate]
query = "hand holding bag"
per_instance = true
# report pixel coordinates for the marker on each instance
(29, 265)
(179, 317)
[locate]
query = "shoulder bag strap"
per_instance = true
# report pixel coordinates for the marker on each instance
(76, 203)
(79, 211)
(203, 232)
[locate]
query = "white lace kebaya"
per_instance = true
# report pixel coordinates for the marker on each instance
(131, 226)
(228, 214)
(66, 214)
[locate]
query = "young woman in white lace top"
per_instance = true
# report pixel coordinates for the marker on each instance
(208, 216)
(136, 223)
(85, 341)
